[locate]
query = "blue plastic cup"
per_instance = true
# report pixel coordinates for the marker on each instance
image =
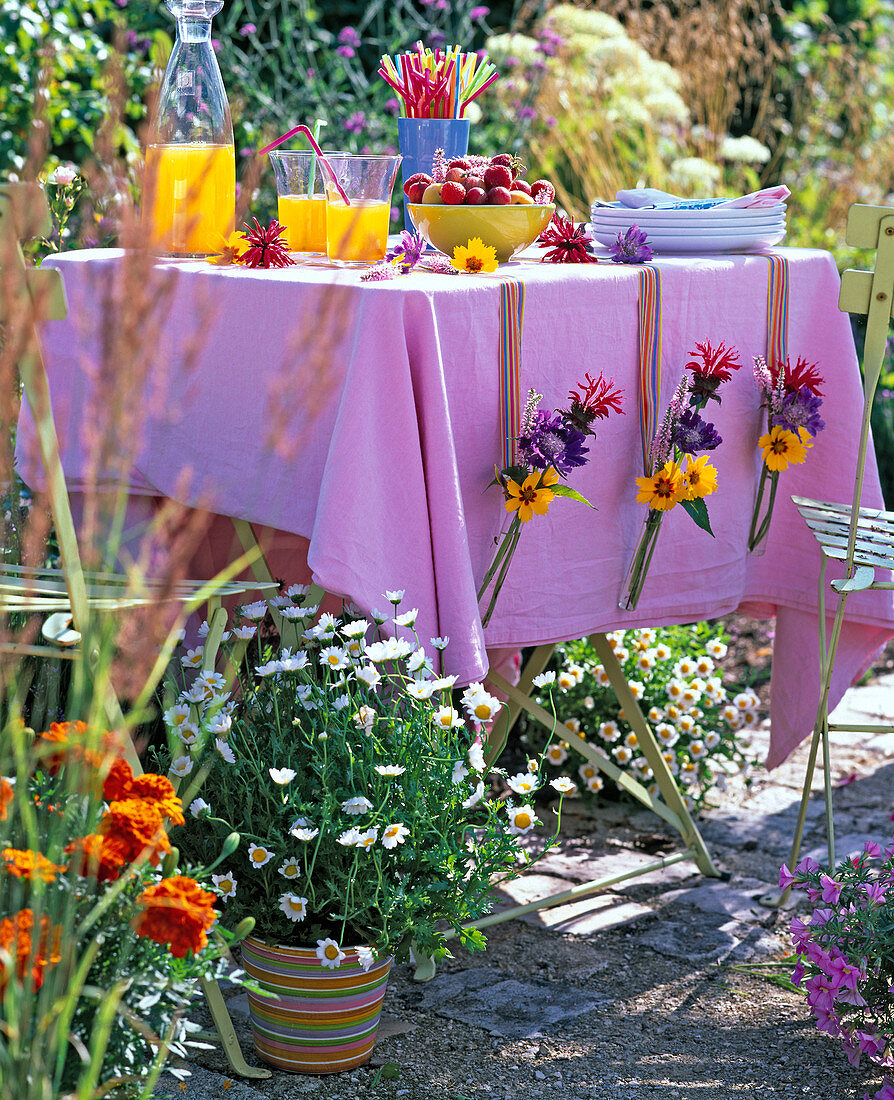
(418, 138)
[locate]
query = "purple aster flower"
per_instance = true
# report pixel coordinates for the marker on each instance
(408, 251)
(552, 441)
(248, 28)
(349, 37)
(345, 51)
(479, 13)
(801, 410)
(692, 434)
(631, 247)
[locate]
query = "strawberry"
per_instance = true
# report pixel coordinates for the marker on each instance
(542, 191)
(459, 162)
(419, 177)
(498, 175)
(502, 158)
(453, 193)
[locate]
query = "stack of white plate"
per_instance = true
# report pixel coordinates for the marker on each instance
(721, 229)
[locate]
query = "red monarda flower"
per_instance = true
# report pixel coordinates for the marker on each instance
(801, 374)
(717, 362)
(593, 399)
(178, 912)
(571, 245)
(266, 248)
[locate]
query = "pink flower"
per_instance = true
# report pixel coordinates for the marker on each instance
(807, 866)
(831, 889)
(800, 933)
(797, 974)
(786, 878)
(821, 916)
(874, 891)
(872, 849)
(64, 175)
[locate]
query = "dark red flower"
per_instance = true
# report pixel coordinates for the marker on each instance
(717, 362)
(801, 374)
(597, 398)
(266, 248)
(571, 245)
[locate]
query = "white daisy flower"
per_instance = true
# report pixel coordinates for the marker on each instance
(408, 618)
(292, 614)
(716, 648)
(556, 755)
(666, 733)
(631, 740)
(563, 784)
(197, 806)
(193, 658)
(478, 704)
(303, 833)
(475, 797)
(688, 772)
(267, 669)
(673, 765)
(745, 700)
(188, 733)
(367, 840)
(225, 751)
(460, 771)
(523, 783)
(349, 837)
(225, 885)
(544, 679)
(418, 660)
(685, 723)
(637, 688)
(447, 718)
(601, 676)
(750, 718)
(646, 636)
(675, 689)
(589, 702)
(443, 682)
(419, 689)
(655, 714)
(176, 715)
(356, 805)
(522, 819)
(476, 756)
(614, 638)
(440, 643)
(182, 766)
(609, 731)
(565, 681)
(644, 662)
(341, 701)
(662, 652)
(572, 724)
(394, 834)
(254, 611)
(390, 769)
(370, 675)
(587, 771)
(622, 754)
(684, 668)
(697, 749)
(396, 596)
(365, 718)
(294, 662)
(704, 665)
(595, 784)
(712, 740)
(366, 957)
(355, 629)
(622, 653)
(330, 954)
(290, 868)
(220, 723)
(334, 657)
(258, 855)
(295, 908)
(297, 591)
(282, 775)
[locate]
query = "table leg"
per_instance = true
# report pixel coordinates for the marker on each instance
(502, 726)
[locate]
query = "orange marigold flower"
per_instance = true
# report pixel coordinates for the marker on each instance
(157, 790)
(63, 743)
(178, 912)
(25, 863)
(17, 942)
(97, 856)
(135, 826)
(6, 795)
(118, 782)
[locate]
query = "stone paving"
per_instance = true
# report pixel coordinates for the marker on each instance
(614, 996)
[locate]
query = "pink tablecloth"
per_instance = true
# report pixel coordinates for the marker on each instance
(364, 418)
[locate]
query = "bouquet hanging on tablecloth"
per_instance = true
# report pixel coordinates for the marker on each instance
(550, 446)
(792, 398)
(679, 474)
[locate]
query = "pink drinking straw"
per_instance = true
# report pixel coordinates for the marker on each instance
(304, 130)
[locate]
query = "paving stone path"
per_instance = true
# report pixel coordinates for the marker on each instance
(628, 994)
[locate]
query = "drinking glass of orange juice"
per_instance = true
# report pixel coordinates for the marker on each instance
(302, 199)
(357, 231)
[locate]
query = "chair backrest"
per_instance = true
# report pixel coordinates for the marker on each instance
(29, 296)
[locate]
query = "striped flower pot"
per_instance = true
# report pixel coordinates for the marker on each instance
(321, 1020)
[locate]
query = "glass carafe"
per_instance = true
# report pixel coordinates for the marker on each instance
(189, 196)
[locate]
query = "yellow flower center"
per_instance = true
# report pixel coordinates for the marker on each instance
(522, 820)
(482, 711)
(259, 855)
(391, 831)
(473, 263)
(291, 869)
(333, 660)
(226, 885)
(446, 719)
(295, 906)
(331, 951)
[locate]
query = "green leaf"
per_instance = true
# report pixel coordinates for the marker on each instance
(573, 494)
(699, 512)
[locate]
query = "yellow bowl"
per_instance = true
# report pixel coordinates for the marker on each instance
(507, 229)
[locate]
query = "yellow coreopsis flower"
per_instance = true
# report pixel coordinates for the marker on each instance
(662, 490)
(782, 447)
(699, 478)
(474, 256)
(533, 496)
(229, 251)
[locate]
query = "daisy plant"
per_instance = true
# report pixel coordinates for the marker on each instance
(550, 446)
(679, 473)
(356, 777)
(792, 398)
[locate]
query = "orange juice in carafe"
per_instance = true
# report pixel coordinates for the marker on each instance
(189, 197)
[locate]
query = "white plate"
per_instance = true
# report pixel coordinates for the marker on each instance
(660, 234)
(700, 227)
(701, 242)
(626, 213)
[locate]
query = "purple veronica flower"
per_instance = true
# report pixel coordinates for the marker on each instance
(631, 247)
(552, 441)
(801, 410)
(408, 250)
(692, 434)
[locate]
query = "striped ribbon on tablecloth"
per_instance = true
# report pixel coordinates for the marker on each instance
(649, 358)
(777, 311)
(512, 319)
